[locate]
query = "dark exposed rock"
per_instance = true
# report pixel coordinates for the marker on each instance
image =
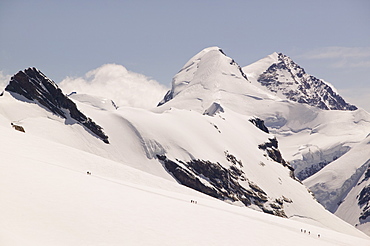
(18, 128)
(293, 82)
(275, 206)
(364, 196)
(257, 189)
(36, 87)
(271, 148)
(279, 201)
(260, 124)
(286, 199)
(364, 202)
(365, 214)
(167, 97)
(186, 178)
(231, 158)
(311, 170)
(222, 183)
(367, 175)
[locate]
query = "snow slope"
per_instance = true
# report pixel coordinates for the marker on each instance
(201, 136)
(48, 199)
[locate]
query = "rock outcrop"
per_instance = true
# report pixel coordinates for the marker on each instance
(223, 183)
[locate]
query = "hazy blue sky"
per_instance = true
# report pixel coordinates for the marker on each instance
(329, 38)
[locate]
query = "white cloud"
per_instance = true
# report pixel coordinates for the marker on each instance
(338, 52)
(4, 80)
(340, 57)
(115, 82)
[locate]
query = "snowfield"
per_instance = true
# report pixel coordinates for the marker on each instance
(48, 199)
(60, 184)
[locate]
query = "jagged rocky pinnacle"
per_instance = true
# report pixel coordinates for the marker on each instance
(295, 84)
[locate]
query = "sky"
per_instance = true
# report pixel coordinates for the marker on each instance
(69, 39)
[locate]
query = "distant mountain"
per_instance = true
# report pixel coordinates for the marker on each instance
(325, 142)
(310, 136)
(288, 80)
(212, 77)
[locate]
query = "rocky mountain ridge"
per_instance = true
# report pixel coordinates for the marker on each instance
(288, 80)
(33, 85)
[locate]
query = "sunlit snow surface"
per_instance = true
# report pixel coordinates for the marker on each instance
(48, 199)
(130, 199)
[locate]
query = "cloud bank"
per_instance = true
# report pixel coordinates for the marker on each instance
(350, 57)
(357, 96)
(4, 80)
(115, 82)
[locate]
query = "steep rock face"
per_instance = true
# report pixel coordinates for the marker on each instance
(272, 150)
(223, 183)
(33, 85)
(364, 197)
(364, 201)
(260, 124)
(286, 77)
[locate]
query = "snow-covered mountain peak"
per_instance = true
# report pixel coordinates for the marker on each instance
(204, 71)
(274, 56)
(279, 74)
(253, 70)
(208, 77)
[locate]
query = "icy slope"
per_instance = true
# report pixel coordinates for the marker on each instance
(48, 199)
(311, 138)
(343, 186)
